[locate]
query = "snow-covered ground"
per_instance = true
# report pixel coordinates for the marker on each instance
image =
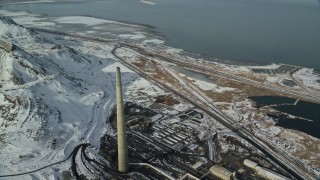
(206, 86)
(50, 89)
(308, 78)
(56, 92)
(132, 36)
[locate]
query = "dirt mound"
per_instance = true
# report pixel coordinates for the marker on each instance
(167, 100)
(7, 20)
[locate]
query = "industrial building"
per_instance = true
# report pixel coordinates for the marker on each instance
(188, 176)
(221, 172)
(164, 138)
(264, 172)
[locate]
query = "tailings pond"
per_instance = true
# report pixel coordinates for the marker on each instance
(306, 114)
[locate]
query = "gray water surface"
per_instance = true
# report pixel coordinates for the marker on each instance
(262, 31)
(305, 115)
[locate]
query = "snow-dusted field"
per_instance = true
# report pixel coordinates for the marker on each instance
(207, 86)
(308, 78)
(56, 92)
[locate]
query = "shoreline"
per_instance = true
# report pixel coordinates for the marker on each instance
(157, 32)
(104, 69)
(195, 56)
(149, 34)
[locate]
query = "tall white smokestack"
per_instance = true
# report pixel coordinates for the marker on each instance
(123, 160)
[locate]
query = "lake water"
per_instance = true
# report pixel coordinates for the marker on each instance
(194, 75)
(307, 114)
(262, 31)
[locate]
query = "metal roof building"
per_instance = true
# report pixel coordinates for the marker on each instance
(221, 172)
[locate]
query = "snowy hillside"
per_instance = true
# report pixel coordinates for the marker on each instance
(55, 93)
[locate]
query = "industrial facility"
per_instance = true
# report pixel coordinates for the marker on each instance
(264, 172)
(221, 172)
(123, 161)
(166, 146)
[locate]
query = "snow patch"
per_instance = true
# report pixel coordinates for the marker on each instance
(206, 86)
(308, 78)
(173, 50)
(270, 66)
(112, 68)
(86, 20)
(155, 41)
(32, 20)
(132, 36)
(14, 13)
(32, 2)
(272, 79)
(148, 2)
